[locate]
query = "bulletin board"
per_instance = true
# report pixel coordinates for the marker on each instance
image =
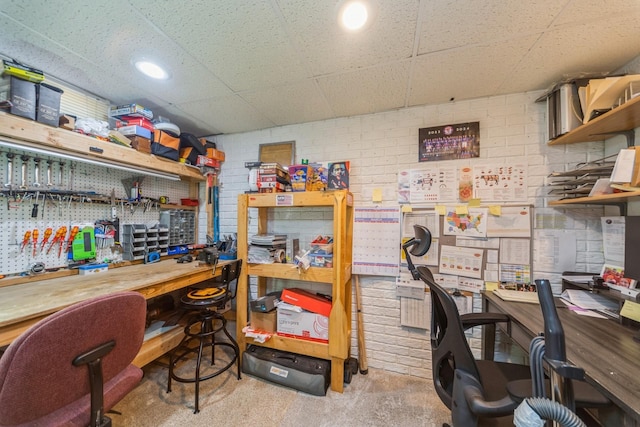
(477, 245)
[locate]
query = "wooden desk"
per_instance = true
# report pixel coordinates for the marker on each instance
(23, 305)
(602, 347)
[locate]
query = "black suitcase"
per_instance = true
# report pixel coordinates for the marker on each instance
(299, 372)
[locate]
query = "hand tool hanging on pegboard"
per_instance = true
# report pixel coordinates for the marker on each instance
(8, 183)
(23, 181)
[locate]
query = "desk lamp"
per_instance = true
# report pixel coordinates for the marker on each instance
(419, 244)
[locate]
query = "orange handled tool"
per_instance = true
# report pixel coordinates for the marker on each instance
(34, 235)
(25, 239)
(45, 240)
(63, 234)
(72, 236)
(60, 233)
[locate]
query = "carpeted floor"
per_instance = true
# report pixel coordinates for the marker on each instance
(379, 398)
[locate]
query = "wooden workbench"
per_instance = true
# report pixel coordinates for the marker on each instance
(23, 305)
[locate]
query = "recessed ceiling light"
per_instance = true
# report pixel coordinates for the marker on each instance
(152, 70)
(354, 15)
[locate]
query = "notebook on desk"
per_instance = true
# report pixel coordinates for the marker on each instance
(517, 296)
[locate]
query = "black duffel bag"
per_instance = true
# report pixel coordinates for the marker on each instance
(303, 373)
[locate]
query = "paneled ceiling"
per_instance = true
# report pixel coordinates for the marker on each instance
(241, 65)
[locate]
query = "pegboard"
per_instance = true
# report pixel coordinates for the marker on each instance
(91, 187)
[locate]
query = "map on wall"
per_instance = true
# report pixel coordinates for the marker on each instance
(473, 223)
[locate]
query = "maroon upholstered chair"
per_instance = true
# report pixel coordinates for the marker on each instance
(43, 377)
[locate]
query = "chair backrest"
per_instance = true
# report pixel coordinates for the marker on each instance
(230, 273)
(449, 347)
(37, 376)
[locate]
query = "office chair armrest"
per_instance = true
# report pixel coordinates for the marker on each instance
(470, 320)
(469, 404)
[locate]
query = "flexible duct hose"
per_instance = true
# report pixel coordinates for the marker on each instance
(533, 410)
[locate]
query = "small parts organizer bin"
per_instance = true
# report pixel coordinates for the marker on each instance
(137, 240)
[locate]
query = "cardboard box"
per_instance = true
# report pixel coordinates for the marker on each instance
(300, 177)
(23, 98)
(215, 154)
(304, 325)
(48, 111)
(67, 121)
(92, 269)
(321, 260)
(134, 110)
(264, 321)
(307, 300)
(207, 161)
(140, 143)
(134, 130)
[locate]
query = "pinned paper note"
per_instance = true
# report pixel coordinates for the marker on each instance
(474, 203)
(441, 210)
(377, 195)
(631, 310)
(490, 286)
(495, 210)
(462, 210)
(406, 208)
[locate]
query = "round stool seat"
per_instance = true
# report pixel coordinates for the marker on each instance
(203, 298)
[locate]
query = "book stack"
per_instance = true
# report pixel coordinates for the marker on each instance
(272, 178)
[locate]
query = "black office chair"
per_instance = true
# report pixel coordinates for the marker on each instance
(474, 390)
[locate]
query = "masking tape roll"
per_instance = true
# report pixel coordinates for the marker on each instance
(279, 256)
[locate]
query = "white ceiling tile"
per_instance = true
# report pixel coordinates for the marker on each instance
(242, 42)
(568, 52)
(365, 91)
(452, 23)
(294, 103)
(327, 48)
(229, 114)
(465, 73)
(250, 64)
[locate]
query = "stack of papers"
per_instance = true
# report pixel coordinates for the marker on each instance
(588, 300)
(517, 296)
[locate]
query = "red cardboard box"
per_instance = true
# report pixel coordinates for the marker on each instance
(307, 300)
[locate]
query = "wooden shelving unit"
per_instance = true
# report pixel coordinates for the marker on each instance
(623, 118)
(28, 133)
(338, 277)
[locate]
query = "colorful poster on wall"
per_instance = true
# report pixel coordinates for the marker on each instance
(499, 182)
(473, 223)
(449, 142)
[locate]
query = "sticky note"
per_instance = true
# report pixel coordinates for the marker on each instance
(441, 210)
(490, 286)
(377, 195)
(495, 210)
(631, 310)
(462, 210)
(406, 208)
(474, 203)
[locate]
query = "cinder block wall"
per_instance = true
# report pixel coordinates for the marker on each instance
(512, 130)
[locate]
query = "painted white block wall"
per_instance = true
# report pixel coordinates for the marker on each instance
(512, 130)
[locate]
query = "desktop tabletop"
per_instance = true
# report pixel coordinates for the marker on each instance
(605, 349)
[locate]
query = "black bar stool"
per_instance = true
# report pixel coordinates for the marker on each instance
(205, 303)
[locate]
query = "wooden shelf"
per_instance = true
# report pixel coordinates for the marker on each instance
(31, 134)
(623, 118)
(600, 200)
(338, 277)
